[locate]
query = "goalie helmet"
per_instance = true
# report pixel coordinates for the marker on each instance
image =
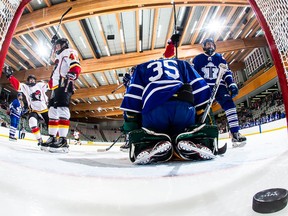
(29, 78)
(209, 50)
(64, 43)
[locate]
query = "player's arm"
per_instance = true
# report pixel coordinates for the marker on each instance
(74, 66)
(228, 78)
(9, 74)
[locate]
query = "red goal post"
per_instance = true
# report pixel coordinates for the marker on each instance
(273, 18)
(10, 14)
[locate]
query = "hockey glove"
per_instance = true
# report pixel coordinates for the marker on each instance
(126, 80)
(132, 121)
(233, 90)
(54, 39)
(175, 38)
(8, 71)
(69, 82)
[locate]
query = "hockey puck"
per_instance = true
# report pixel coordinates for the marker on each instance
(270, 200)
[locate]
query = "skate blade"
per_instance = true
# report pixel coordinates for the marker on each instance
(124, 149)
(44, 148)
(145, 159)
(59, 150)
(238, 144)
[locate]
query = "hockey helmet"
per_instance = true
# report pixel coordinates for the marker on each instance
(31, 76)
(210, 50)
(64, 43)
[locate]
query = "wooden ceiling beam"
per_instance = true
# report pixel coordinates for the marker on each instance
(130, 59)
(82, 9)
(97, 114)
(96, 105)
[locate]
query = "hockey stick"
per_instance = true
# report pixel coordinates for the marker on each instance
(120, 86)
(175, 28)
(222, 70)
(107, 149)
(57, 30)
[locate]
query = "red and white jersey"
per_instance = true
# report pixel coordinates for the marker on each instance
(76, 134)
(66, 60)
(36, 96)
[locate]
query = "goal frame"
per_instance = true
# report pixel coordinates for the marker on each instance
(274, 52)
(10, 32)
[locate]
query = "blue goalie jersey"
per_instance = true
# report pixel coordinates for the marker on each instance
(155, 82)
(208, 68)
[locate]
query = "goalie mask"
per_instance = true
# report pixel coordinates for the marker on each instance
(31, 80)
(64, 44)
(209, 46)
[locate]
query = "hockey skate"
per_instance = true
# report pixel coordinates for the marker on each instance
(158, 153)
(191, 151)
(238, 140)
(11, 138)
(59, 146)
(125, 147)
(44, 146)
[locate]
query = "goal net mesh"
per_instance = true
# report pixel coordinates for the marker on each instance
(7, 11)
(275, 13)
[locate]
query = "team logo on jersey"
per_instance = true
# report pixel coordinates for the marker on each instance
(210, 71)
(71, 56)
(36, 96)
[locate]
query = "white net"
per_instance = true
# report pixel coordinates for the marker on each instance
(275, 13)
(7, 11)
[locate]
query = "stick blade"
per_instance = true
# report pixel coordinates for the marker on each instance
(101, 150)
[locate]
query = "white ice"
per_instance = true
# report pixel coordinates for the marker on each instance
(85, 182)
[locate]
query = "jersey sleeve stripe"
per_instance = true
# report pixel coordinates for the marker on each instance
(133, 96)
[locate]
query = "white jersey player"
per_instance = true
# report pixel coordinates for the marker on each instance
(76, 137)
(66, 71)
(37, 99)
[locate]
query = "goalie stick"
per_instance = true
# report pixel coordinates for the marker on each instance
(175, 28)
(57, 30)
(108, 148)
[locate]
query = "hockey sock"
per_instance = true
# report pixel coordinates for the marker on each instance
(63, 127)
(36, 132)
(53, 127)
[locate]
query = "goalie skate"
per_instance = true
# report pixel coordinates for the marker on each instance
(238, 140)
(160, 150)
(188, 148)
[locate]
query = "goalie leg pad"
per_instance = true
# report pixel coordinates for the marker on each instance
(205, 135)
(188, 150)
(149, 147)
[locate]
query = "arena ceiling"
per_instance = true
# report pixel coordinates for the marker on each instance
(113, 35)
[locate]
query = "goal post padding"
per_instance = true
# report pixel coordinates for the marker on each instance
(273, 16)
(7, 33)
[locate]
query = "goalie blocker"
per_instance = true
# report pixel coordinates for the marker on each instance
(200, 142)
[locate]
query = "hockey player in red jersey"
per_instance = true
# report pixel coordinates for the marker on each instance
(35, 93)
(66, 71)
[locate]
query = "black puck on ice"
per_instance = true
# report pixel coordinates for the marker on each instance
(270, 200)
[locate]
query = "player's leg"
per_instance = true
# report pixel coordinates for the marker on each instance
(227, 104)
(13, 128)
(64, 122)
(33, 124)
